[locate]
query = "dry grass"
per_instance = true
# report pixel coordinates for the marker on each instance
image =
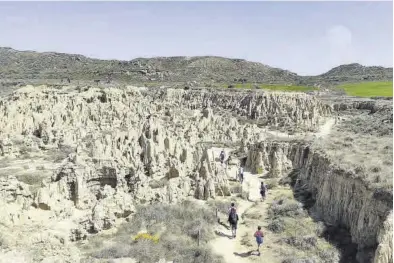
(289, 231)
(301, 236)
(221, 205)
(369, 156)
(32, 178)
(174, 227)
(378, 124)
(58, 155)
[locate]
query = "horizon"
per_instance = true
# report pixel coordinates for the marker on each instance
(186, 56)
(104, 30)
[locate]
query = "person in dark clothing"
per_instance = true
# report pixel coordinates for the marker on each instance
(228, 160)
(222, 155)
(233, 220)
(263, 190)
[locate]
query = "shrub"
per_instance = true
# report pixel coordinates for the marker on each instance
(299, 260)
(301, 242)
(147, 236)
(260, 170)
(179, 226)
(277, 225)
(285, 207)
(272, 184)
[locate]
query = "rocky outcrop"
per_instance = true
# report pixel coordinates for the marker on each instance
(127, 149)
(340, 198)
(270, 108)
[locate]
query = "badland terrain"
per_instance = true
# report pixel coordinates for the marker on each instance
(118, 161)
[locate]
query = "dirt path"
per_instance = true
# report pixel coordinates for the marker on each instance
(325, 129)
(232, 250)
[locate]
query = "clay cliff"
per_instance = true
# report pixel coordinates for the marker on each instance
(338, 196)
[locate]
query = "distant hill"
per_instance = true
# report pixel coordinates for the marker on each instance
(204, 69)
(357, 72)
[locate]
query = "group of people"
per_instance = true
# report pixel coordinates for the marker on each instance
(233, 220)
(223, 160)
(232, 213)
(240, 174)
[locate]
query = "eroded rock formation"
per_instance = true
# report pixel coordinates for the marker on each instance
(340, 197)
(138, 146)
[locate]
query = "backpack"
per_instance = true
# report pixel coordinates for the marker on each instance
(263, 189)
(233, 216)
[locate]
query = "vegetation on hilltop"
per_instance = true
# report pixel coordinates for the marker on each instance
(203, 69)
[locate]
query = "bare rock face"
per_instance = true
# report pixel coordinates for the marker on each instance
(269, 158)
(384, 252)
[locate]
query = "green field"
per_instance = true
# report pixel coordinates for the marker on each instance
(369, 89)
(274, 87)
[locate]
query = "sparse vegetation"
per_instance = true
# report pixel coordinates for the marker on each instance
(290, 231)
(298, 231)
(206, 70)
(31, 178)
(171, 232)
(288, 88)
(378, 124)
(369, 89)
(58, 155)
(368, 156)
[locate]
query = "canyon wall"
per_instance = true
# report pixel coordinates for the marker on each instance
(340, 198)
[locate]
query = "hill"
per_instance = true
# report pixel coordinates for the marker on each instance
(16, 64)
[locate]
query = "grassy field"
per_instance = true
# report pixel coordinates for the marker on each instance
(369, 89)
(273, 87)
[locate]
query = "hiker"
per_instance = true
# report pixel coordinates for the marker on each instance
(259, 238)
(233, 220)
(263, 190)
(228, 160)
(222, 155)
(232, 208)
(241, 174)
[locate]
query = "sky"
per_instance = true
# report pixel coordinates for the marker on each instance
(307, 38)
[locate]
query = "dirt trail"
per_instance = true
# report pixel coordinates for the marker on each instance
(325, 129)
(231, 249)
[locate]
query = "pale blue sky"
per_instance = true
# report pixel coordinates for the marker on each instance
(304, 37)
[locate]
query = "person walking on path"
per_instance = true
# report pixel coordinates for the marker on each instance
(233, 220)
(259, 238)
(222, 156)
(232, 208)
(263, 191)
(228, 160)
(241, 174)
